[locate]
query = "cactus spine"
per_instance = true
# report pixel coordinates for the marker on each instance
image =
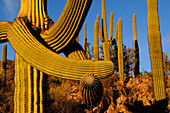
(155, 49)
(120, 51)
(135, 47)
(92, 89)
(3, 64)
(96, 41)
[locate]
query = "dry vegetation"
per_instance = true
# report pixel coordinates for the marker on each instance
(136, 95)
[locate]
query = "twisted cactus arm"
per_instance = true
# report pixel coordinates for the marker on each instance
(66, 28)
(135, 47)
(120, 51)
(4, 25)
(155, 49)
(40, 57)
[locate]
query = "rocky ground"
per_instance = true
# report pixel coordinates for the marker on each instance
(136, 96)
(64, 96)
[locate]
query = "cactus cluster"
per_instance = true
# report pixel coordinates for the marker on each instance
(37, 42)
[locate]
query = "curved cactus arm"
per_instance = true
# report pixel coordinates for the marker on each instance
(4, 25)
(155, 48)
(40, 57)
(75, 51)
(66, 28)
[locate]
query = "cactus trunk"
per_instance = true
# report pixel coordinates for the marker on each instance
(135, 48)
(29, 95)
(3, 64)
(155, 49)
(96, 41)
(120, 51)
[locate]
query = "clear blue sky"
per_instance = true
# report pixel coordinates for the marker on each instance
(121, 9)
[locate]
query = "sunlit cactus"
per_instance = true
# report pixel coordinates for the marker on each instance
(91, 89)
(4, 25)
(103, 32)
(155, 49)
(120, 51)
(135, 47)
(3, 64)
(29, 82)
(37, 42)
(96, 41)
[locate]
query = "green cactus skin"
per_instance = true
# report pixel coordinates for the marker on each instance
(96, 41)
(37, 41)
(50, 62)
(3, 64)
(155, 49)
(29, 95)
(135, 47)
(120, 51)
(91, 89)
(103, 35)
(4, 25)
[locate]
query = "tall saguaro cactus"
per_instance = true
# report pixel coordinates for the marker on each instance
(3, 64)
(155, 49)
(135, 47)
(103, 34)
(120, 51)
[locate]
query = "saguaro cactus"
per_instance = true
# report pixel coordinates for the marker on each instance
(155, 49)
(96, 41)
(135, 47)
(120, 51)
(3, 64)
(28, 96)
(37, 41)
(103, 35)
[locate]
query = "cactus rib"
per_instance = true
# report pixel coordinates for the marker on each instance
(49, 62)
(155, 48)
